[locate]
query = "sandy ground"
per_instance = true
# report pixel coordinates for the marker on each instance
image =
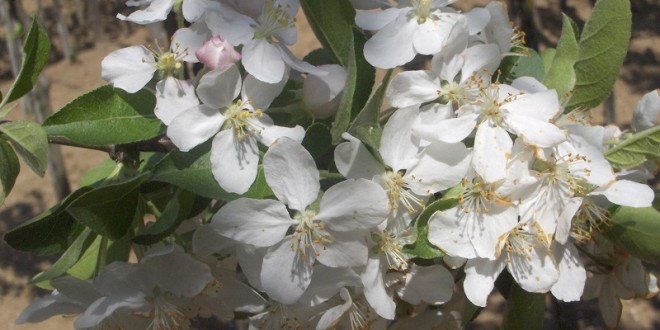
(33, 195)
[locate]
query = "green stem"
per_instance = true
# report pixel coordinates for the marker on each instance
(103, 255)
(325, 174)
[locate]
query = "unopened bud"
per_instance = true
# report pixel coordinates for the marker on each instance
(217, 53)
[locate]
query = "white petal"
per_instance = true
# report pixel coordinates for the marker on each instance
(156, 12)
(487, 229)
(236, 28)
(374, 290)
(413, 87)
(250, 258)
(478, 58)
(354, 161)
(173, 97)
(565, 219)
(477, 19)
(609, 303)
(332, 316)
(291, 173)
(492, 150)
(327, 282)
(451, 130)
(353, 205)
(103, 308)
(297, 64)
(480, 275)
(430, 36)
(448, 232)
(543, 105)
(175, 271)
(194, 126)
(285, 274)
(219, 88)
(128, 68)
(535, 132)
(528, 85)
(572, 275)
(348, 249)
(206, 241)
(398, 147)
(441, 166)
(189, 40)
(432, 285)
(392, 45)
(270, 132)
(261, 94)
(44, 308)
(646, 111)
(263, 61)
(376, 20)
(627, 193)
(252, 221)
(536, 271)
(234, 161)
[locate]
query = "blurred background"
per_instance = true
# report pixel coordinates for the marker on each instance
(83, 32)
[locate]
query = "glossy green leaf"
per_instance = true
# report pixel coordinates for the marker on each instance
(356, 93)
(636, 149)
(30, 142)
(106, 116)
(177, 210)
(318, 140)
(422, 248)
(69, 258)
(108, 210)
(602, 49)
(49, 232)
(637, 230)
(561, 75)
(516, 66)
(319, 56)
(8, 170)
(525, 310)
(36, 50)
(331, 22)
(192, 171)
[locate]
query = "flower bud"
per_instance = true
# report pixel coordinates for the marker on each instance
(217, 53)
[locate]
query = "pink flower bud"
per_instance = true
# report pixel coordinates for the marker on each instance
(217, 53)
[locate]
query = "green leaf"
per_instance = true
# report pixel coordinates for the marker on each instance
(513, 67)
(602, 49)
(8, 170)
(547, 56)
(332, 23)
(422, 248)
(87, 266)
(30, 142)
(36, 50)
(108, 210)
(192, 171)
(69, 257)
(49, 232)
(637, 230)
(369, 116)
(99, 173)
(561, 75)
(175, 212)
(317, 140)
(356, 93)
(319, 56)
(106, 116)
(525, 310)
(636, 149)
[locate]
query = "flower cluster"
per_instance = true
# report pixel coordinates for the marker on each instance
(526, 185)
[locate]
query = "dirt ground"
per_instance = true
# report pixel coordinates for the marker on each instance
(33, 195)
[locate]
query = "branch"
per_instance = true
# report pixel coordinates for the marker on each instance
(160, 143)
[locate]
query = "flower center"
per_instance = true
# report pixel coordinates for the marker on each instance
(242, 119)
(273, 19)
(398, 193)
(522, 242)
(422, 10)
(476, 198)
(391, 245)
(589, 217)
(168, 63)
(309, 237)
(164, 315)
